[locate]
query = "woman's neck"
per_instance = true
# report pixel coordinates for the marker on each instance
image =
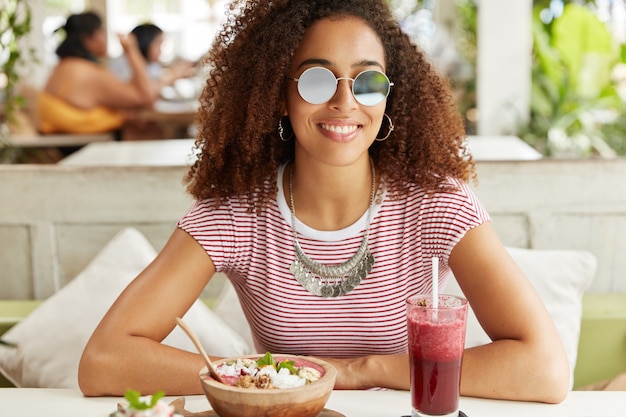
(330, 199)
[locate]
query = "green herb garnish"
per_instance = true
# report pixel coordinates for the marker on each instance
(137, 402)
(267, 360)
(289, 365)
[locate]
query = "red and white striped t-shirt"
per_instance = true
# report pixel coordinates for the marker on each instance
(256, 251)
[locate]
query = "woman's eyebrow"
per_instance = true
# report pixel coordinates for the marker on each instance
(311, 61)
(325, 62)
(367, 63)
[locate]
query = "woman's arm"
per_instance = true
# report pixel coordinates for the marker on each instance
(106, 89)
(140, 76)
(125, 350)
(176, 71)
(525, 361)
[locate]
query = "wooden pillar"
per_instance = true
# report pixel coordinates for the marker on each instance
(99, 7)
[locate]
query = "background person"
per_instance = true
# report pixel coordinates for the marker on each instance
(150, 40)
(81, 95)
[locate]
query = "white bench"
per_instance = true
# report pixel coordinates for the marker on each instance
(54, 218)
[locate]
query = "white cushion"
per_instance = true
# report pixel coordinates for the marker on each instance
(52, 338)
(560, 277)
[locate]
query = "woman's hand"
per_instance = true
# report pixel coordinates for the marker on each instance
(148, 91)
(375, 371)
(128, 41)
(182, 69)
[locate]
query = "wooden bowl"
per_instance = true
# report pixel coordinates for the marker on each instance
(305, 401)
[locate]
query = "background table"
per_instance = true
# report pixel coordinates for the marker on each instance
(178, 152)
(501, 148)
(167, 119)
(172, 152)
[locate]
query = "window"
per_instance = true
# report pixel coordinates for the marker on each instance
(189, 26)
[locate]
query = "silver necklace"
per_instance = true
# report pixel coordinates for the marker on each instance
(332, 280)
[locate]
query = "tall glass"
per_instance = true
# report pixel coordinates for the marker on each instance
(436, 344)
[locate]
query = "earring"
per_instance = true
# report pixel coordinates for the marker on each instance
(391, 127)
(281, 129)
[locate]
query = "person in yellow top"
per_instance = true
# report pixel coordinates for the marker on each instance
(82, 95)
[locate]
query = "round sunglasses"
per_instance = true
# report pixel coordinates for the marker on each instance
(317, 85)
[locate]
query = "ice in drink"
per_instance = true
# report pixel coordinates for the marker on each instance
(436, 340)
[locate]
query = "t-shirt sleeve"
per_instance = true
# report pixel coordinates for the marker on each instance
(447, 216)
(213, 228)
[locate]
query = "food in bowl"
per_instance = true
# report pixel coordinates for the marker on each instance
(267, 372)
(304, 400)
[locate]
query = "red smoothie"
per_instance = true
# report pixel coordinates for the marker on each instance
(436, 343)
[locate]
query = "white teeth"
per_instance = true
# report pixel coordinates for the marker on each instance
(339, 129)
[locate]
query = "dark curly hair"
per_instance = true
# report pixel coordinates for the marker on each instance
(238, 144)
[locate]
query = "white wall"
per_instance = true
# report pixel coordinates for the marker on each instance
(504, 64)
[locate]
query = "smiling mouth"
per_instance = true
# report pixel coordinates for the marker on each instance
(344, 129)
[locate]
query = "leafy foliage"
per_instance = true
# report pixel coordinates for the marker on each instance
(467, 44)
(15, 23)
(575, 108)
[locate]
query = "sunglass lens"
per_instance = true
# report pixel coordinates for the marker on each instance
(371, 87)
(317, 85)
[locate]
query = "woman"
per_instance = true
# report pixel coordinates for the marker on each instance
(81, 95)
(150, 41)
(311, 158)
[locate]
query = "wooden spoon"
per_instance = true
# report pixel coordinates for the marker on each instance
(201, 350)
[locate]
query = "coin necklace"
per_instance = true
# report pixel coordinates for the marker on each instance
(332, 280)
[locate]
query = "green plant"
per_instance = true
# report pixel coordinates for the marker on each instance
(15, 24)
(462, 36)
(464, 80)
(575, 108)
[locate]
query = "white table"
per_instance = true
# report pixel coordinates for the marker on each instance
(501, 148)
(178, 152)
(21, 402)
(166, 152)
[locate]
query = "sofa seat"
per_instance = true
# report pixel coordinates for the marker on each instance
(602, 344)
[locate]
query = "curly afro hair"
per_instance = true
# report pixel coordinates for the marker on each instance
(239, 150)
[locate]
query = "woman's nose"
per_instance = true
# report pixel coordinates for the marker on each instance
(343, 96)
